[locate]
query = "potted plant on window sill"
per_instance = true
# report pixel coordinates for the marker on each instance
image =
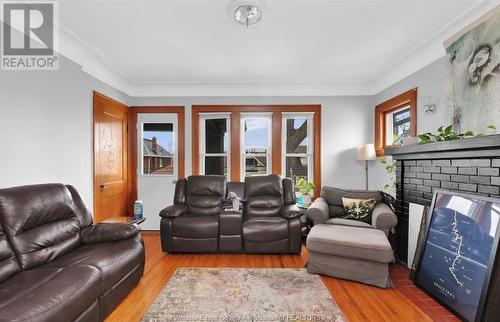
(305, 189)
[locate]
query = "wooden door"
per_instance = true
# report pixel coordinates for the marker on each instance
(110, 158)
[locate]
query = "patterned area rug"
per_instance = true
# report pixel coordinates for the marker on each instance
(227, 294)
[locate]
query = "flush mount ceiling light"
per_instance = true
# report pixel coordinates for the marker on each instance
(246, 12)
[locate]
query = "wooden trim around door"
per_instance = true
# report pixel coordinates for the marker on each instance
(277, 110)
(408, 98)
(134, 110)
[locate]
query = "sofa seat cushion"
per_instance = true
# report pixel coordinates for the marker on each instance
(195, 226)
(265, 229)
(114, 260)
(352, 242)
(59, 294)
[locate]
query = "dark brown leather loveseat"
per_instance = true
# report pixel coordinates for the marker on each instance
(55, 264)
(198, 222)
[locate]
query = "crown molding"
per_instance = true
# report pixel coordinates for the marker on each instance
(91, 61)
(428, 51)
(231, 89)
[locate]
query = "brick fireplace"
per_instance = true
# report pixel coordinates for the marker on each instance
(467, 166)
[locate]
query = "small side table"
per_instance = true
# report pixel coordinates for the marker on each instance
(304, 225)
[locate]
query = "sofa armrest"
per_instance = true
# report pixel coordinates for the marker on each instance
(102, 233)
(291, 212)
(174, 211)
(318, 212)
(383, 218)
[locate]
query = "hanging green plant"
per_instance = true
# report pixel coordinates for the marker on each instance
(447, 134)
(390, 168)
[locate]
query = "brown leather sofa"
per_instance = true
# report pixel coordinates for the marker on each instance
(55, 264)
(198, 222)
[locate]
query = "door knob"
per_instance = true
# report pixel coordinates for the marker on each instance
(102, 187)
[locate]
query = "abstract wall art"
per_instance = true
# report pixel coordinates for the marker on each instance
(473, 76)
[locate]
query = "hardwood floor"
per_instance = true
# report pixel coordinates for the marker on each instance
(359, 302)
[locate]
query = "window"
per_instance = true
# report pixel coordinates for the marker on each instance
(215, 150)
(297, 146)
(254, 141)
(398, 126)
(256, 150)
(157, 149)
(395, 120)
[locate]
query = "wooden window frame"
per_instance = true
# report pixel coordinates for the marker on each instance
(277, 111)
(132, 146)
(408, 98)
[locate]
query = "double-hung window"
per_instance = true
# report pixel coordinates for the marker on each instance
(216, 144)
(256, 149)
(297, 145)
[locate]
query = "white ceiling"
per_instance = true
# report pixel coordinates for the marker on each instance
(301, 47)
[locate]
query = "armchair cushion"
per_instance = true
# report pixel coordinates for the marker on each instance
(102, 233)
(291, 211)
(174, 211)
(318, 212)
(334, 195)
(383, 217)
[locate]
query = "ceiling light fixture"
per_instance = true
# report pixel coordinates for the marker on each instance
(246, 12)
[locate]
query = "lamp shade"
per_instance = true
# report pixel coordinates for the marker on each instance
(366, 152)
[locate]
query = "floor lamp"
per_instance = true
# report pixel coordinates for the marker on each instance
(366, 152)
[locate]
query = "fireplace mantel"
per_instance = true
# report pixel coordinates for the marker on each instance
(489, 146)
(467, 166)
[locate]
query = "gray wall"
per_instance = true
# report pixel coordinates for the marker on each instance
(430, 82)
(346, 122)
(46, 126)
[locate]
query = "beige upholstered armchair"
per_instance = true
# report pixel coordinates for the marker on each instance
(327, 209)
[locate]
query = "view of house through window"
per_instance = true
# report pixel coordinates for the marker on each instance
(297, 139)
(215, 150)
(157, 147)
(256, 144)
(398, 125)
